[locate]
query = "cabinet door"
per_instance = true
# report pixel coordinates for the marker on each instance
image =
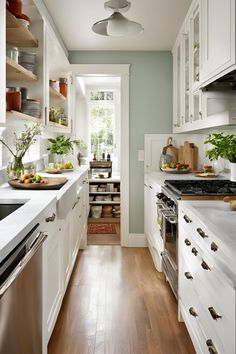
(76, 227)
(177, 87)
(66, 246)
(2, 61)
(185, 119)
(53, 285)
(217, 37)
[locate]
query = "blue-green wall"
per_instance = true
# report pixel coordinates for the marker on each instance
(150, 108)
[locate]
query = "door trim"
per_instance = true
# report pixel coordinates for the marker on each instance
(122, 71)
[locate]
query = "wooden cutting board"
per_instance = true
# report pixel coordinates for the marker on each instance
(190, 155)
(181, 154)
(50, 183)
(171, 150)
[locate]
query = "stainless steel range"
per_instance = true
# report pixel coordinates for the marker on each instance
(167, 215)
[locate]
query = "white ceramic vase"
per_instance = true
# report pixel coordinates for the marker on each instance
(233, 171)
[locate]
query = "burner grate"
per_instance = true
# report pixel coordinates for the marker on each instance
(202, 187)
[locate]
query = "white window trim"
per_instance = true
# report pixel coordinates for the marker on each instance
(122, 71)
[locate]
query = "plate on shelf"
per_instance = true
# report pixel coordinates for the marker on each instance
(175, 170)
(53, 172)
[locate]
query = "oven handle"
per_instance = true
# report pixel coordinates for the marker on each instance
(172, 219)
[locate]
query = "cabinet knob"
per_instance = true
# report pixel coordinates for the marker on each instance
(176, 125)
(194, 251)
(205, 266)
(51, 218)
(214, 247)
(150, 187)
(200, 115)
(187, 242)
(211, 347)
(188, 275)
(193, 312)
(214, 314)
(201, 232)
(187, 219)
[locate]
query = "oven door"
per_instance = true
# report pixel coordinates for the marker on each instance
(170, 236)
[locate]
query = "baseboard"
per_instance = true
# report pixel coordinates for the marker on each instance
(137, 240)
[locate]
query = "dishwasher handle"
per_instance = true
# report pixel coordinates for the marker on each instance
(36, 244)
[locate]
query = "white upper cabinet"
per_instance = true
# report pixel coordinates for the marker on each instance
(217, 39)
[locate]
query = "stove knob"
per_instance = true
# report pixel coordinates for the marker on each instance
(165, 199)
(160, 195)
(170, 203)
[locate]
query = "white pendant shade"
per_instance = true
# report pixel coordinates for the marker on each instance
(117, 25)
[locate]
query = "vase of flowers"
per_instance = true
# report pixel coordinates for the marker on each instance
(21, 144)
(223, 146)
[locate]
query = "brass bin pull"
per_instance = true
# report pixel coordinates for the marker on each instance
(214, 247)
(188, 275)
(205, 266)
(51, 218)
(187, 219)
(201, 232)
(214, 314)
(193, 312)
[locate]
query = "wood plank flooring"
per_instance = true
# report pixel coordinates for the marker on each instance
(117, 303)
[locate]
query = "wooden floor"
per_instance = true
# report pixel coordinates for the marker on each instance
(117, 303)
(105, 239)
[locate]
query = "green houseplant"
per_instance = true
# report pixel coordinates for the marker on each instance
(62, 145)
(21, 144)
(224, 146)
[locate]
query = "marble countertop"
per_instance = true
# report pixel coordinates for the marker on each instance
(15, 226)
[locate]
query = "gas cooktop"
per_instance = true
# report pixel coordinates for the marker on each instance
(202, 187)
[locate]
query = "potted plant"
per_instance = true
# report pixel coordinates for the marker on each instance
(60, 146)
(223, 146)
(21, 144)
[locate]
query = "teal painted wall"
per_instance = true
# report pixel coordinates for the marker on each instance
(150, 108)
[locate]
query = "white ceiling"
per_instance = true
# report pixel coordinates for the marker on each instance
(161, 20)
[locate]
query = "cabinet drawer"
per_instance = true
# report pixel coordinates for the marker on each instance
(49, 221)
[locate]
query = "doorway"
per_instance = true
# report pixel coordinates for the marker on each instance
(98, 97)
(121, 72)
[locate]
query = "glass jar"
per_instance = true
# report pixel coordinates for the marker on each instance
(63, 86)
(13, 99)
(15, 168)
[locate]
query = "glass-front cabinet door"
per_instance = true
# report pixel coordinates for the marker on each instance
(186, 75)
(177, 69)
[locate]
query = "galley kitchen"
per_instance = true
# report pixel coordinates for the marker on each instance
(117, 177)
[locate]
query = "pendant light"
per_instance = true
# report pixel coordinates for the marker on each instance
(117, 25)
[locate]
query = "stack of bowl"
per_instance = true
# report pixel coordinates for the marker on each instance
(27, 60)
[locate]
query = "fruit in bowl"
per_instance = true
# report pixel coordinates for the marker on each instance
(68, 166)
(175, 166)
(30, 178)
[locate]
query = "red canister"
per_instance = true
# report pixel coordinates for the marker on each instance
(13, 99)
(15, 7)
(63, 86)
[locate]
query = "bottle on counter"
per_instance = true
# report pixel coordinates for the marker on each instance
(108, 157)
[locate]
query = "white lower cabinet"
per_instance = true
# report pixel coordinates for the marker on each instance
(207, 300)
(151, 227)
(59, 255)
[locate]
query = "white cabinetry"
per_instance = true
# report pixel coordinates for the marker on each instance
(2, 61)
(217, 38)
(151, 227)
(52, 269)
(206, 294)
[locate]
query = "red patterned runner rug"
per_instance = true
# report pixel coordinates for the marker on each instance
(100, 228)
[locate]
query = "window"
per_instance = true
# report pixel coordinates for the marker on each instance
(104, 124)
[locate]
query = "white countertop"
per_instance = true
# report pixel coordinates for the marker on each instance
(15, 226)
(218, 219)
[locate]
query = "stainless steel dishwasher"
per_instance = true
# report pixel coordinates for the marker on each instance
(21, 297)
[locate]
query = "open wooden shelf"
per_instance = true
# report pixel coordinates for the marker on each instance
(14, 115)
(105, 193)
(56, 94)
(16, 72)
(53, 124)
(17, 34)
(104, 202)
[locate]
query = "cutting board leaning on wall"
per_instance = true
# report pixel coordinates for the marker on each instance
(171, 150)
(188, 154)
